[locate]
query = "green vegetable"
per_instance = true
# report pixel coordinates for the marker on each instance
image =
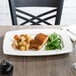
(54, 42)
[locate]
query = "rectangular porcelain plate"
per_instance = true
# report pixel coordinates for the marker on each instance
(9, 50)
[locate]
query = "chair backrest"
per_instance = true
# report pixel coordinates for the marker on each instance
(58, 4)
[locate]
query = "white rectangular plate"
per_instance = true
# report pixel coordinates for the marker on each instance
(9, 50)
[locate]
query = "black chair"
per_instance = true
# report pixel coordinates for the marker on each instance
(57, 4)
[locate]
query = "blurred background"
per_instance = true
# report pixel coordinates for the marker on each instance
(68, 13)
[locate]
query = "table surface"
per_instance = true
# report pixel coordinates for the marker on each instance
(58, 65)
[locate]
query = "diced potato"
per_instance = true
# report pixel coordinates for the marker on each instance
(28, 38)
(27, 46)
(22, 37)
(22, 42)
(15, 44)
(22, 48)
(16, 37)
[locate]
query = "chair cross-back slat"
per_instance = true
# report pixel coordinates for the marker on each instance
(36, 17)
(41, 16)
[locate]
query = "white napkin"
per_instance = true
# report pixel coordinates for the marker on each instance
(71, 31)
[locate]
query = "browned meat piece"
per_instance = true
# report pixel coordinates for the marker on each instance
(39, 40)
